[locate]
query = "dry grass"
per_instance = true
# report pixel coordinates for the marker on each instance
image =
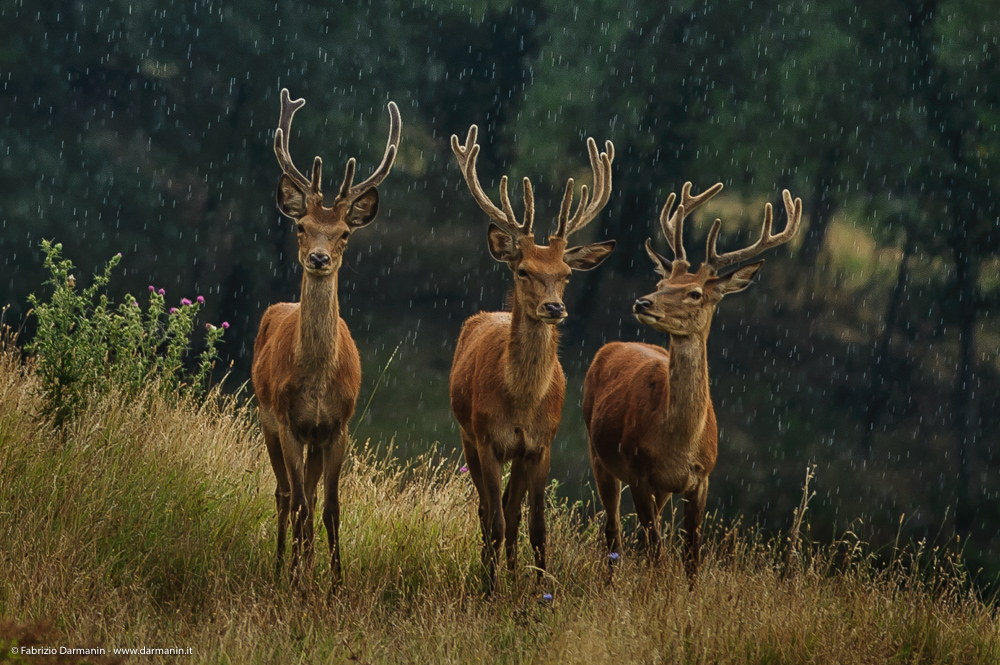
(153, 526)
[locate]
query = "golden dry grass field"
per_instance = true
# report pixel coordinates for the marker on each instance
(152, 526)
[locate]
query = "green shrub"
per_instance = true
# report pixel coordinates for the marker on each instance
(85, 345)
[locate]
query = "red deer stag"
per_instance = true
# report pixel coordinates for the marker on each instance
(507, 386)
(306, 368)
(648, 411)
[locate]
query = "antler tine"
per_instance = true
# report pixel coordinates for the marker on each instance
(666, 223)
(391, 148)
(672, 223)
(766, 240)
(467, 155)
(288, 109)
(588, 209)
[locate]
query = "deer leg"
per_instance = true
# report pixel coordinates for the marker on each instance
(645, 510)
(513, 495)
(292, 451)
(476, 473)
(609, 489)
(314, 471)
(492, 470)
(331, 503)
(694, 510)
(282, 491)
(538, 475)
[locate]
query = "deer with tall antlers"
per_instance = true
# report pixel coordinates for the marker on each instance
(648, 411)
(306, 368)
(507, 386)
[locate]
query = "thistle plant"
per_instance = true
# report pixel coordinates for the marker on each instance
(87, 345)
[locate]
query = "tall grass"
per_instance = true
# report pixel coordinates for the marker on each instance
(152, 524)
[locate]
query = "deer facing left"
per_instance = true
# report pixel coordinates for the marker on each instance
(306, 367)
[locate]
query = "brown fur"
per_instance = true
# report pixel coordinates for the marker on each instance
(306, 369)
(507, 392)
(648, 411)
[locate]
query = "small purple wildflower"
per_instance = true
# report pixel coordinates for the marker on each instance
(185, 302)
(225, 325)
(201, 300)
(209, 326)
(152, 288)
(173, 309)
(613, 556)
(162, 292)
(547, 597)
(119, 255)
(135, 303)
(463, 469)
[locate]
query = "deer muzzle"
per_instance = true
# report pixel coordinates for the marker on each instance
(552, 312)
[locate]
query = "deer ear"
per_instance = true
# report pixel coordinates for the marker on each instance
(502, 245)
(291, 200)
(586, 257)
(737, 280)
(663, 264)
(363, 209)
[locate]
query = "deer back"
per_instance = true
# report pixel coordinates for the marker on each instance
(625, 401)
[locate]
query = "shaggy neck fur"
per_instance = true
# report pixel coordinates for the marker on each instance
(689, 399)
(317, 342)
(530, 357)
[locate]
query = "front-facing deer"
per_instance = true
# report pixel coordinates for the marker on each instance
(306, 368)
(648, 411)
(507, 386)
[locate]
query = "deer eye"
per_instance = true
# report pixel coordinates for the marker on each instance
(299, 228)
(345, 235)
(694, 295)
(522, 273)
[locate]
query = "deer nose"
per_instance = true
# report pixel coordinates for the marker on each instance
(642, 305)
(554, 310)
(318, 260)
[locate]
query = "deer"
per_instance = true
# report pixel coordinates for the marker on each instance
(507, 386)
(306, 370)
(648, 412)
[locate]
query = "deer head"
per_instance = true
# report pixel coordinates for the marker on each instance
(684, 302)
(323, 232)
(541, 271)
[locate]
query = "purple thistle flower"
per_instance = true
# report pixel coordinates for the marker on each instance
(209, 326)
(185, 302)
(152, 288)
(463, 469)
(173, 309)
(119, 255)
(162, 292)
(201, 300)
(135, 303)
(225, 325)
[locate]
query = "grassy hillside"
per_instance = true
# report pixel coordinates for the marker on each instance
(152, 526)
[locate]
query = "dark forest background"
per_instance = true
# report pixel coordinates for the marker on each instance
(869, 348)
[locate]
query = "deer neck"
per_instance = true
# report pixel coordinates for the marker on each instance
(530, 357)
(689, 398)
(319, 314)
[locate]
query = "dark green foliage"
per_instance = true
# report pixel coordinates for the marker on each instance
(86, 347)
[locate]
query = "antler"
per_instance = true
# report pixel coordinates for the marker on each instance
(673, 224)
(288, 109)
(349, 193)
(766, 240)
(313, 185)
(601, 166)
(467, 155)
